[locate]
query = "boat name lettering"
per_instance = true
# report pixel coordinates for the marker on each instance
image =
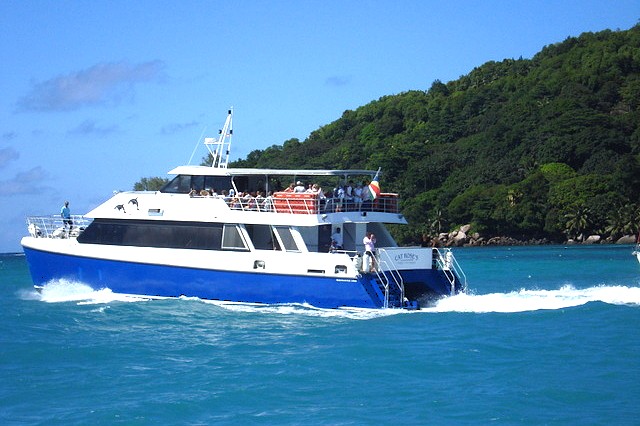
(406, 257)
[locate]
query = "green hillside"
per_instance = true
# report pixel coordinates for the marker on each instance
(547, 147)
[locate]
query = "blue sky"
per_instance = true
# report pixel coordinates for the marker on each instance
(97, 94)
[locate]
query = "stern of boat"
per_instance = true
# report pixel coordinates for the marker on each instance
(406, 277)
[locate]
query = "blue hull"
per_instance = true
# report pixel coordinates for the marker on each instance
(249, 287)
(169, 281)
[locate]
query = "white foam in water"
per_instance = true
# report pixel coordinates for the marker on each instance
(516, 301)
(306, 309)
(62, 290)
(533, 300)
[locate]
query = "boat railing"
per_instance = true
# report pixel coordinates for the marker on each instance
(447, 262)
(393, 276)
(311, 203)
(54, 226)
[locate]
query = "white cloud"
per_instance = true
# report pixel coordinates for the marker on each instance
(9, 136)
(177, 127)
(89, 127)
(338, 80)
(24, 182)
(7, 155)
(98, 85)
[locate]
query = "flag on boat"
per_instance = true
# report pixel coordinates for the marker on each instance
(374, 186)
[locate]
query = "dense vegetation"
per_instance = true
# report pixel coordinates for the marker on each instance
(547, 147)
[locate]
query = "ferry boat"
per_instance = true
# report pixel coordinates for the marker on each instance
(234, 234)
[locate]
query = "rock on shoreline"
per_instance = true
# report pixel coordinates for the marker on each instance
(463, 238)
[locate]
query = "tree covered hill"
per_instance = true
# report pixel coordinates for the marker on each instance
(547, 147)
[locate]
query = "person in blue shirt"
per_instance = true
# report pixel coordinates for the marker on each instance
(65, 212)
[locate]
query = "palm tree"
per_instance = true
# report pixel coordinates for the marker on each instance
(577, 221)
(436, 223)
(624, 221)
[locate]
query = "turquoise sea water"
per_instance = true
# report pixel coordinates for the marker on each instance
(546, 335)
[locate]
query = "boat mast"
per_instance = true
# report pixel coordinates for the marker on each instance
(221, 147)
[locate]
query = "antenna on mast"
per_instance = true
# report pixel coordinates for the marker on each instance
(221, 147)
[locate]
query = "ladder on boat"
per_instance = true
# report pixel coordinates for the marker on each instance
(445, 261)
(390, 280)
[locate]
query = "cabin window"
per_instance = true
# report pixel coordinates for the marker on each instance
(219, 183)
(183, 184)
(232, 239)
(284, 233)
(180, 184)
(162, 234)
(197, 183)
(262, 237)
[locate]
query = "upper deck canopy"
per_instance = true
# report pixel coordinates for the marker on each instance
(215, 171)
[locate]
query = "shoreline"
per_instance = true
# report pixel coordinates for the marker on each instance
(463, 238)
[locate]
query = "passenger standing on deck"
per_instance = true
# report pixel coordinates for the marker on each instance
(357, 197)
(65, 213)
(369, 241)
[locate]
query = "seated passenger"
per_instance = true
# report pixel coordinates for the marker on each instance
(315, 189)
(267, 204)
(236, 203)
(336, 240)
(290, 188)
(259, 201)
(299, 187)
(249, 201)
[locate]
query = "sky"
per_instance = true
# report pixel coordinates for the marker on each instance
(98, 94)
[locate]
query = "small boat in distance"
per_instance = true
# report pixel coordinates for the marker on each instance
(239, 234)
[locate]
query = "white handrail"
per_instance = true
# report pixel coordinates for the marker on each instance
(451, 268)
(393, 271)
(54, 227)
(295, 205)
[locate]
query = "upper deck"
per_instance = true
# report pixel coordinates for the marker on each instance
(280, 208)
(310, 203)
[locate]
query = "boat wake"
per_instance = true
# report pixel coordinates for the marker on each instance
(533, 300)
(516, 301)
(72, 291)
(306, 310)
(59, 291)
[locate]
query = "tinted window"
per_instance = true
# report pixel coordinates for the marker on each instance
(231, 238)
(180, 184)
(153, 234)
(262, 237)
(287, 239)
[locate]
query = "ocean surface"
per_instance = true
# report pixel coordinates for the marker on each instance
(545, 335)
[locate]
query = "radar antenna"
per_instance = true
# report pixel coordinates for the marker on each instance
(221, 147)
